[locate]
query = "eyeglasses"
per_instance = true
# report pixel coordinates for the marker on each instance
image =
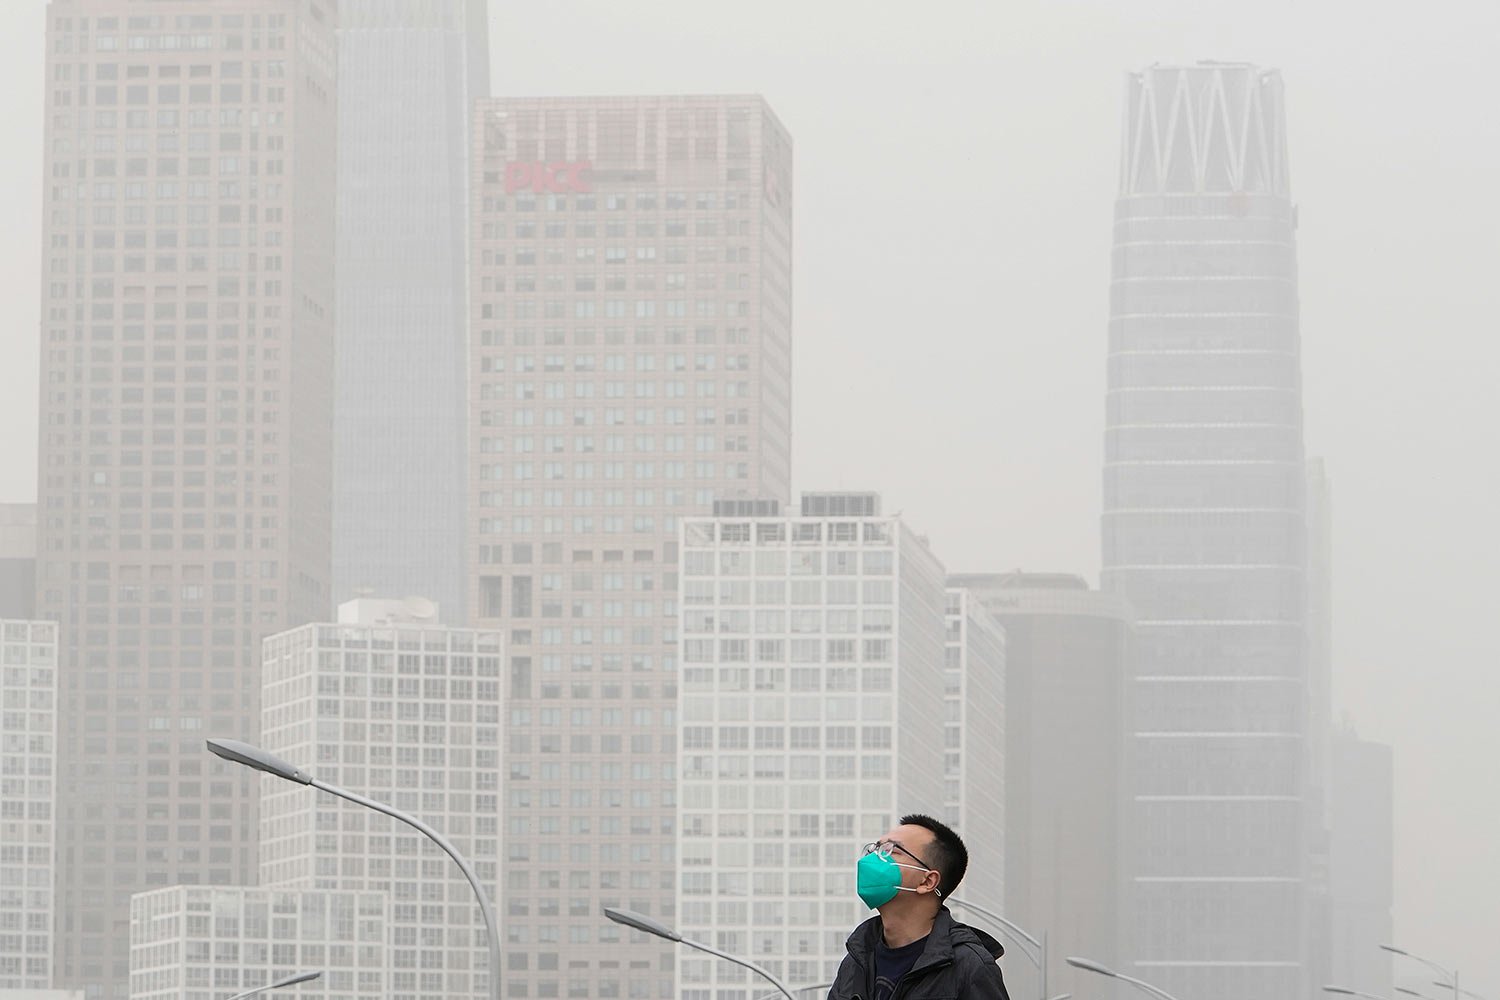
(885, 847)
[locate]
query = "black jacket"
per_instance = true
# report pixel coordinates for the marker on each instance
(957, 964)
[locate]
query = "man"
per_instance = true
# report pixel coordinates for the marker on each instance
(914, 949)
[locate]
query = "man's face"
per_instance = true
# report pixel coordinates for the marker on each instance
(911, 847)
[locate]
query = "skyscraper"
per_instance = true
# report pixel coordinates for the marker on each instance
(1065, 662)
(1204, 533)
(409, 71)
(631, 358)
(187, 360)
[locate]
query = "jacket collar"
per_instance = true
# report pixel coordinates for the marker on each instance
(946, 934)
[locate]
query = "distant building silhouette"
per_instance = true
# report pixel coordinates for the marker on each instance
(18, 560)
(1204, 534)
(1066, 648)
(409, 73)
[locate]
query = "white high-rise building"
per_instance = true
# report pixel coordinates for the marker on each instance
(406, 712)
(190, 942)
(28, 795)
(811, 719)
(974, 764)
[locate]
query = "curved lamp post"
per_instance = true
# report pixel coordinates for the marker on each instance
(292, 980)
(1450, 976)
(254, 757)
(1036, 953)
(1346, 991)
(1088, 965)
(1448, 986)
(641, 922)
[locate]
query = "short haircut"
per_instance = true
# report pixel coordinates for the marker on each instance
(947, 854)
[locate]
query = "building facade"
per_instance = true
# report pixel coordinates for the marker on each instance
(811, 719)
(975, 710)
(409, 72)
(18, 560)
(1204, 533)
(630, 362)
(191, 942)
(1066, 659)
(187, 309)
(28, 796)
(407, 713)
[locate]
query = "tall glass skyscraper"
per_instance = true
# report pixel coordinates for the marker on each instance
(409, 71)
(1204, 533)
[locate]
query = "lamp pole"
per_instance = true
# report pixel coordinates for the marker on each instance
(1450, 975)
(1038, 957)
(641, 922)
(292, 980)
(1088, 965)
(239, 752)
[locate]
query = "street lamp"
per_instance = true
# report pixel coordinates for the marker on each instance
(1346, 991)
(1450, 975)
(1088, 965)
(254, 757)
(641, 922)
(1468, 993)
(1036, 953)
(1412, 993)
(292, 980)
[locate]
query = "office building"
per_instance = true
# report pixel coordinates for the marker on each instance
(1361, 862)
(18, 560)
(28, 795)
(1204, 534)
(409, 72)
(395, 707)
(630, 363)
(191, 942)
(1066, 649)
(187, 325)
(811, 718)
(974, 743)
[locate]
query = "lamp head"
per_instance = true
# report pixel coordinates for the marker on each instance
(239, 752)
(1089, 965)
(641, 922)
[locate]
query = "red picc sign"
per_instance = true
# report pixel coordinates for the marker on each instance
(553, 178)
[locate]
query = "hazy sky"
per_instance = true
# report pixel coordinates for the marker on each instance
(955, 169)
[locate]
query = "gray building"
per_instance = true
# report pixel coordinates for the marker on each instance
(18, 560)
(1204, 534)
(1066, 657)
(1361, 862)
(187, 355)
(409, 72)
(630, 363)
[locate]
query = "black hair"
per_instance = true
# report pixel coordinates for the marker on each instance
(947, 853)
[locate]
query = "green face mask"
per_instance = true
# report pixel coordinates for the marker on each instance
(877, 879)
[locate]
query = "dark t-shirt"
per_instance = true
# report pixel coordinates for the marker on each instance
(893, 963)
